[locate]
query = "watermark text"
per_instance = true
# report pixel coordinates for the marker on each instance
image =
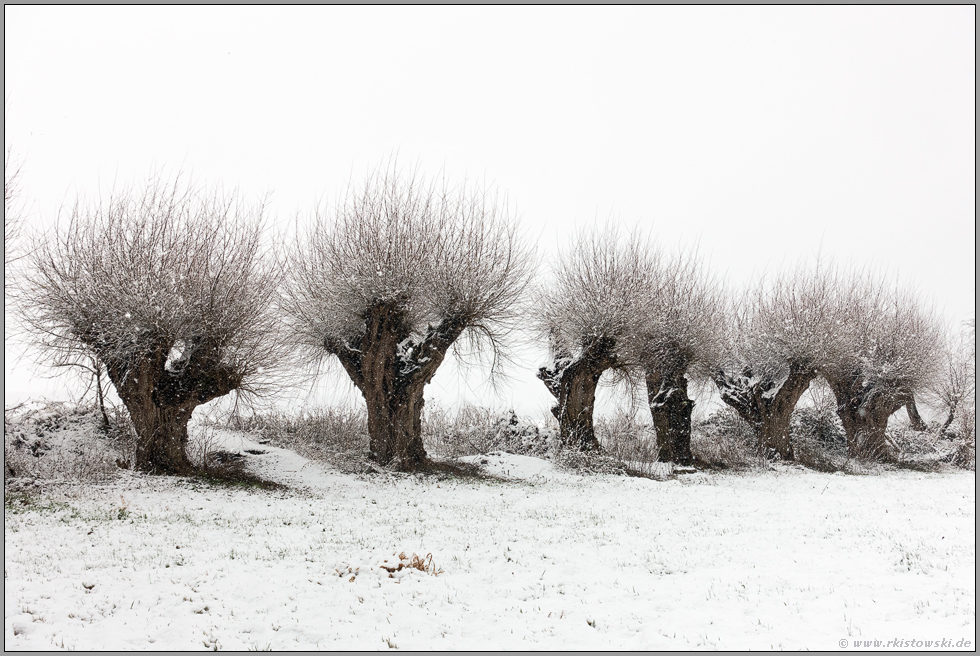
(907, 643)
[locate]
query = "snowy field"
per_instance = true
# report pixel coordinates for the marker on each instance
(532, 558)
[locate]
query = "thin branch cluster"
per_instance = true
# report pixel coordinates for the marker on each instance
(12, 218)
(595, 296)
(794, 322)
(436, 257)
(682, 317)
(892, 341)
(173, 275)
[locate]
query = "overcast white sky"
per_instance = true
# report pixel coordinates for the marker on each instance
(765, 134)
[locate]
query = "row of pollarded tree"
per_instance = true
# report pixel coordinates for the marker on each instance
(172, 291)
(622, 304)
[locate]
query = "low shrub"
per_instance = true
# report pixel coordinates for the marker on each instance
(67, 442)
(818, 425)
(476, 431)
(338, 436)
(724, 440)
(931, 450)
(622, 436)
(592, 462)
(818, 438)
(820, 443)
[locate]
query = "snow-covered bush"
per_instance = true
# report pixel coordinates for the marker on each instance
(595, 462)
(628, 447)
(626, 439)
(818, 438)
(821, 443)
(965, 452)
(724, 439)
(819, 425)
(931, 449)
(475, 431)
(62, 441)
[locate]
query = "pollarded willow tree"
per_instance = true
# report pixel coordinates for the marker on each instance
(680, 333)
(892, 351)
(782, 334)
(169, 290)
(395, 278)
(589, 313)
(953, 390)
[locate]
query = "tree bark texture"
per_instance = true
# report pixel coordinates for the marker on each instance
(391, 368)
(573, 381)
(767, 405)
(864, 410)
(915, 419)
(671, 409)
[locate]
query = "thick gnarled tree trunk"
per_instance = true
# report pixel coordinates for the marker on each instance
(573, 382)
(574, 388)
(864, 412)
(671, 409)
(161, 447)
(395, 429)
(767, 405)
(391, 368)
(161, 401)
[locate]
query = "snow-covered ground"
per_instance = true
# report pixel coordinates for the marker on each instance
(534, 559)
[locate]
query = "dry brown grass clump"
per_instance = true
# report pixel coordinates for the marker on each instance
(415, 562)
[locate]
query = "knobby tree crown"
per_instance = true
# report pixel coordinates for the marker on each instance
(792, 322)
(434, 259)
(681, 316)
(893, 344)
(595, 299)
